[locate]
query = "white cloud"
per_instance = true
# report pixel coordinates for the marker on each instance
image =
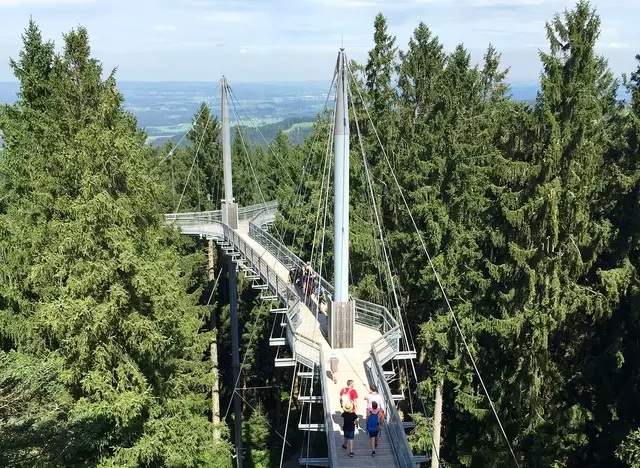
(383, 5)
(299, 39)
(40, 2)
(514, 3)
(617, 45)
(226, 17)
(242, 51)
(165, 27)
(308, 49)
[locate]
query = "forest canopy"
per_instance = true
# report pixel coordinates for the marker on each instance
(109, 320)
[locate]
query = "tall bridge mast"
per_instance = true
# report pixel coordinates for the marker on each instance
(229, 207)
(230, 217)
(342, 313)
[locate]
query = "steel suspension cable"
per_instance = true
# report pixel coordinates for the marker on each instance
(375, 211)
(307, 293)
(286, 426)
(328, 148)
(316, 133)
(244, 358)
(275, 153)
(195, 158)
(193, 124)
(246, 152)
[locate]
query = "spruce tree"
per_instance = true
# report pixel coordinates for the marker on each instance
(89, 281)
(204, 139)
(246, 186)
(381, 64)
(615, 372)
(553, 287)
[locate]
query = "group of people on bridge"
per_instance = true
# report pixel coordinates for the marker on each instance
(374, 416)
(308, 281)
(304, 277)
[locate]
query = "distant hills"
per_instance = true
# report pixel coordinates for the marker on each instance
(297, 128)
(166, 109)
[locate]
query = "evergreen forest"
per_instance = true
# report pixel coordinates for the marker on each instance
(115, 340)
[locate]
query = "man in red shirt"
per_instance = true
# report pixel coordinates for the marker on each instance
(349, 394)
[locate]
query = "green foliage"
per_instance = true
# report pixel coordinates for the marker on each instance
(529, 212)
(629, 450)
(193, 174)
(421, 437)
(257, 434)
(91, 286)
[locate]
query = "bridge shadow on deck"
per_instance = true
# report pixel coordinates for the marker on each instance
(316, 310)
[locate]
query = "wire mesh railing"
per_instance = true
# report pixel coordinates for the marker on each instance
(394, 426)
(267, 209)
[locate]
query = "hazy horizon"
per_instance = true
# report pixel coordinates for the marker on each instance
(298, 40)
(291, 82)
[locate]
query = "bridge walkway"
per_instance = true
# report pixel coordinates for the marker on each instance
(353, 364)
(378, 335)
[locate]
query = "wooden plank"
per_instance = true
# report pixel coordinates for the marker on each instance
(341, 324)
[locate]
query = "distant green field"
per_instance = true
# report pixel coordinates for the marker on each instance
(156, 132)
(170, 129)
(255, 131)
(261, 122)
(151, 139)
(300, 125)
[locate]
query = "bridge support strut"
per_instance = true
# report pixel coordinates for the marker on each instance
(235, 358)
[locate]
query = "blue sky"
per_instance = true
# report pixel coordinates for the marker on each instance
(297, 40)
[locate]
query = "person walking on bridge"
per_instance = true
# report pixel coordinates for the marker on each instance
(375, 398)
(349, 395)
(349, 418)
(374, 419)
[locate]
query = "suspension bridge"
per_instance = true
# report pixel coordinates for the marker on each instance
(369, 340)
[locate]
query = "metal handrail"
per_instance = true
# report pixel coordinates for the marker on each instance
(202, 217)
(296, 341)
(399, 441)
(250, 212)
(382, 350)
(332, 447)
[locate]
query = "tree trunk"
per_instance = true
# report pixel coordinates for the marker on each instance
(296, 383)
(215, 392)
(423, 355)
(437, 425)
(213, 352)
(278, 399)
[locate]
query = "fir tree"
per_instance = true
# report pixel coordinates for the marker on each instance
(89, 281)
